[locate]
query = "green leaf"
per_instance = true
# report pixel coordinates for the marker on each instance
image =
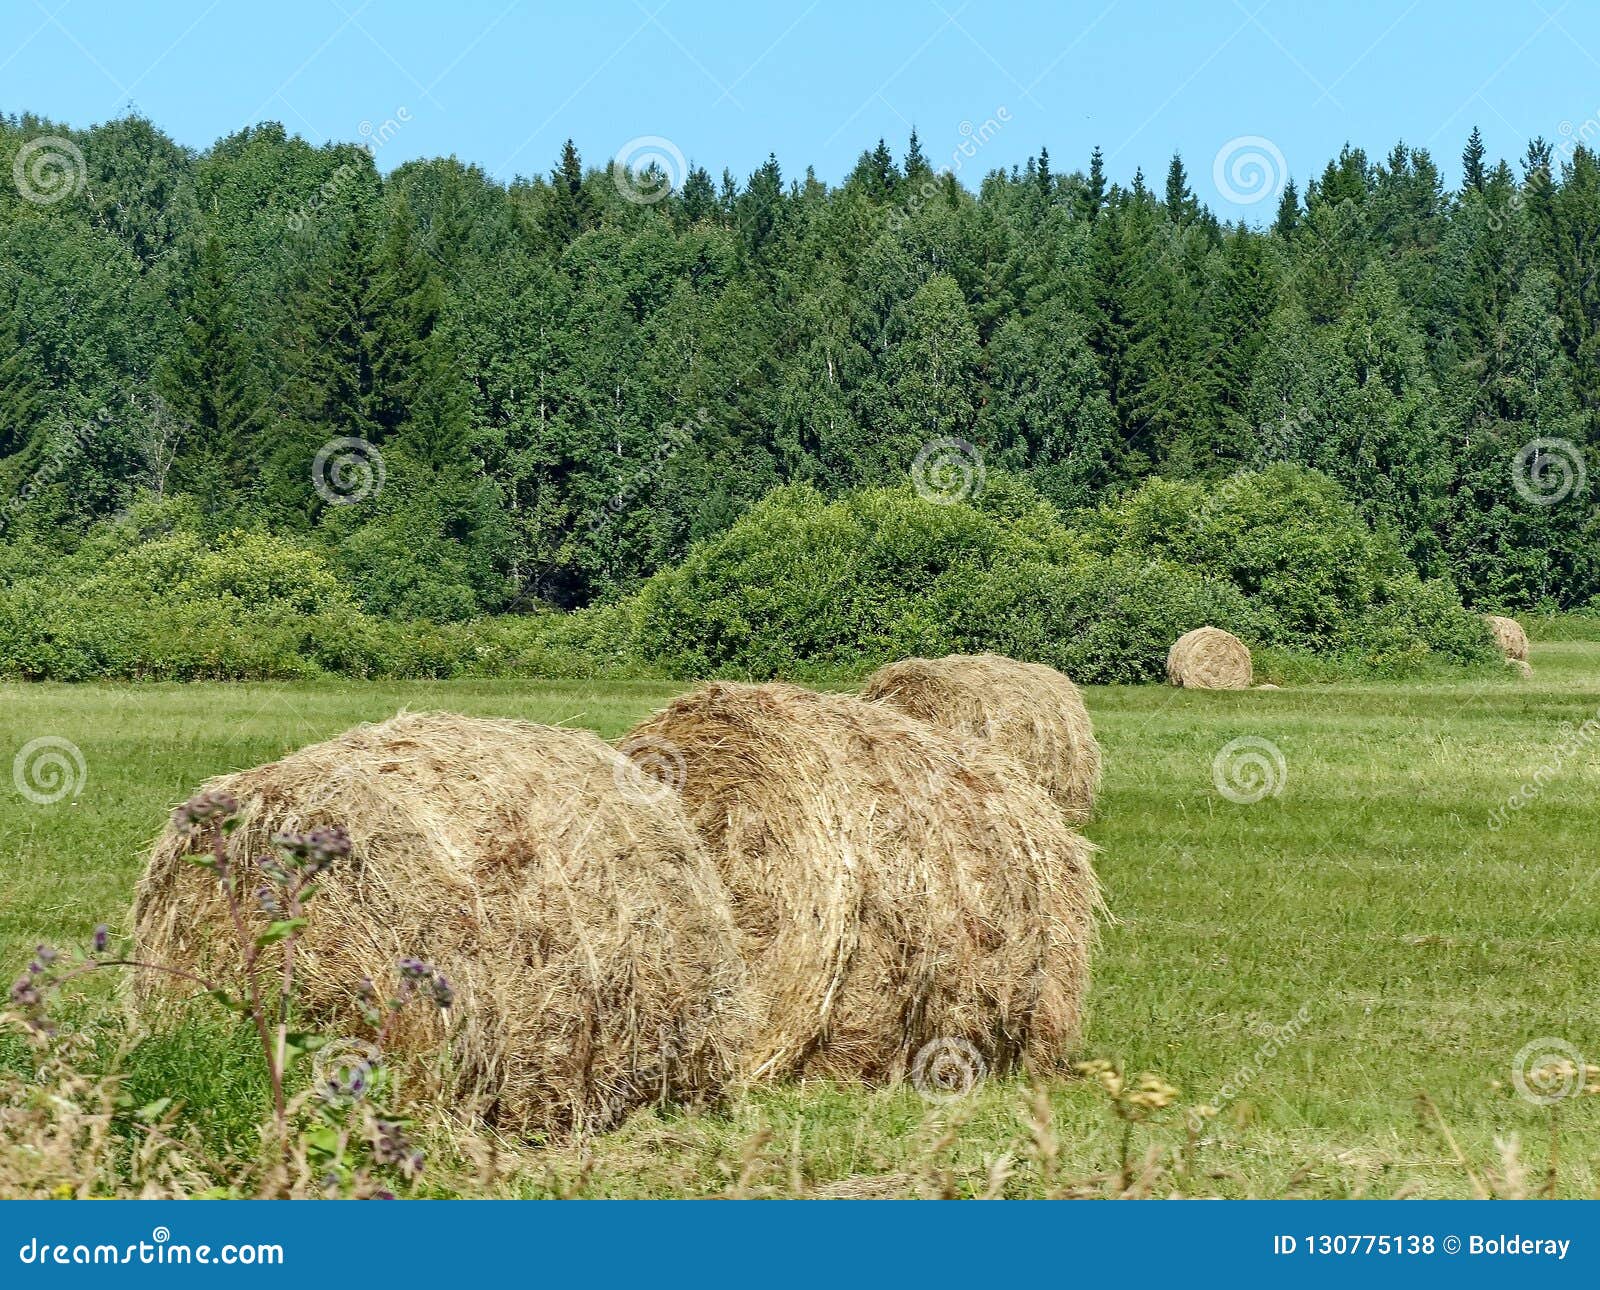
(281, 930)
(154, 1110)
(296, 1044)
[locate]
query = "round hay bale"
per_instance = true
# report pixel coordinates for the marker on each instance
(1520, 667)
(1509, 637)
(910, 900)
(587, 937)
(1030, 711)
(1209, 658)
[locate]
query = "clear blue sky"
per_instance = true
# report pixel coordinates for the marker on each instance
(502, 83)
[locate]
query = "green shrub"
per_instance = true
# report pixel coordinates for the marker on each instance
(801, 586)
(1100, 620)
(1288, 538)
(1413, 619)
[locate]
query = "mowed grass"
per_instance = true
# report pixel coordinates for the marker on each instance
(1369, 906)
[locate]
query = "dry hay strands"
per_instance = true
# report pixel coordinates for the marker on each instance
(911, 902)
(1510, 639)
(1209, 658)
(586, 934)
(1028, 710)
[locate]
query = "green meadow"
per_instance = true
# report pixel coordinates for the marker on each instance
(1345, 969)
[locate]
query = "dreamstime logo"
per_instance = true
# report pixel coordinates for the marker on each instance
(651, 769)
(1548, 1070)
(343, 1070)
(49, 169)
(973, 138)
(1277, 1038)
(947, 471)
(373, 137)
(347, 471)
(1248, 769)
(1547, 471)
(67, 446)
(49, 769)
(648, 168)
(946, 1069)
(1249, 169)
(1575, 739)
(675, 440)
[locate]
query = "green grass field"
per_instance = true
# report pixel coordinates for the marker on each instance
(1368, 914)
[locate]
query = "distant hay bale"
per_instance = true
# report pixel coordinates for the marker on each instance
(1030, 711)
(1520, 667)
(911, 902)
(1509, 637)
(1209, 658)
(587, 937)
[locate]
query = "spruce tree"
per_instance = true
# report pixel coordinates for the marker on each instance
(1472, 172)
(699, 198)
(1288, 215)
(1096, 191)
(1180, 202)
(417, 398)
(205, 381)
(568, 210)
(917, 169)
(327, 345)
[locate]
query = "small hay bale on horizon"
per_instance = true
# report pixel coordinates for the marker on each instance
(1510, 639)
(1033, 712)
(1209, 658)
(901, 890)
(587, 937)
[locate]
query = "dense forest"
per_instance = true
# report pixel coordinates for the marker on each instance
(541, 394)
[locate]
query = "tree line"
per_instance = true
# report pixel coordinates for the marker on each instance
(484, 397)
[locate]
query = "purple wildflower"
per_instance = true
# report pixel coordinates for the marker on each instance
(204, 809)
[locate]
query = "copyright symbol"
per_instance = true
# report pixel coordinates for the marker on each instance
(1452, 1245)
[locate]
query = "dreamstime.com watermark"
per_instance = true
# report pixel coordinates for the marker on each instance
(159, 1250)
(347, 470)
(973, 139)
(61, 454)
(373, 137)
(672, 443)
(1542, 178)
(947, 1069)
(343, 1071)
(49, 169)
(648, 169)
(948, 470)
(1249, 169)
(652, 769)
(1576, 739)
(1241, 1079)
(1548, 471)
(1550, 1070)
(49, 769)
(1249, 770)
